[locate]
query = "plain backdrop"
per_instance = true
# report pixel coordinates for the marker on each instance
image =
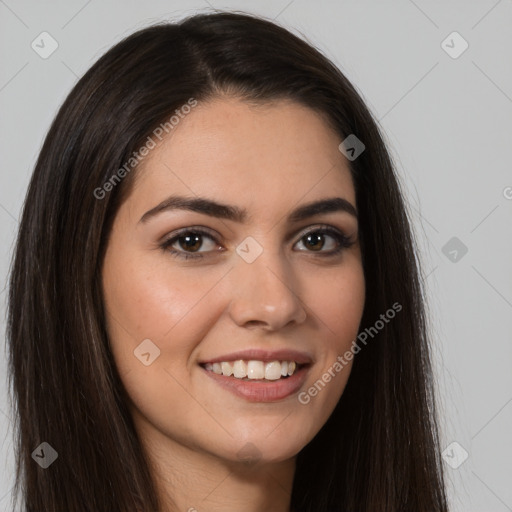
(446, 111)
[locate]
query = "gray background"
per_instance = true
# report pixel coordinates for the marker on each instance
(448, 122)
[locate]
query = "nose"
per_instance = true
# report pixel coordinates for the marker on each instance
(264, 295)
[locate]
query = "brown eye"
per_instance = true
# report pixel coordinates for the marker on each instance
(326, 241)
(192, 243)
(314, 242)
(188, 242)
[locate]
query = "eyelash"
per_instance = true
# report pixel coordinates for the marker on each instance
(343, 241)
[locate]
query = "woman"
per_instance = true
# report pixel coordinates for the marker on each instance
(215, 302)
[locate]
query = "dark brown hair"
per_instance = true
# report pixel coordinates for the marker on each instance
(379, 450)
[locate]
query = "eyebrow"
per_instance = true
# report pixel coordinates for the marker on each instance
(236, 214)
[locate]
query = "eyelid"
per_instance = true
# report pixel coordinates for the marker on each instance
(189, 229)
(317, 227)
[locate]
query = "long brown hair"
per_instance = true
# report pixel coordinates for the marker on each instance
(379, 450)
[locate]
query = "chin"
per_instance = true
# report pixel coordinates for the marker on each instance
(262, 448)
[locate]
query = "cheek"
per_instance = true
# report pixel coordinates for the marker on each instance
(337, 300)
(150, 299)
(337, 303)
(157, 302)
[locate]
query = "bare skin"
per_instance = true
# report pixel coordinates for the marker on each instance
(297, 294)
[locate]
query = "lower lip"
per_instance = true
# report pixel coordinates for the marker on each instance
(259, 390)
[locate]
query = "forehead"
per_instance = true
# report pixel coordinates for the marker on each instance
(256, 156)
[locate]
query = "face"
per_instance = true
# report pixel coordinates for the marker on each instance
(257, 286)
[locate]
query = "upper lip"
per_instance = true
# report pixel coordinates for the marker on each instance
(262, 355)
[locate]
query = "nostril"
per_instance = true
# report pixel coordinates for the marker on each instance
(254, 323)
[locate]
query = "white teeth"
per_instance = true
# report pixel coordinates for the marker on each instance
(240, 369)
(272, 370)
(227, 369)
(255, 370)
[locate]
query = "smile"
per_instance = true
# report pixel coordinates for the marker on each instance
(248, 383)
(253, 370)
